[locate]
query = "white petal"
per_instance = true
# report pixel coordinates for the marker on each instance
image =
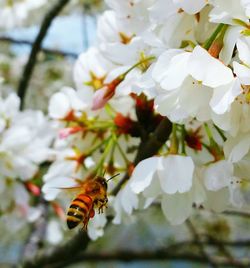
(96, 225)
(143, 174)
(166, 103)
(59, 106)
(242, 72)
(160, 14)
(217, 201)
(162, 63)
(176, 72)
(243, 46)
(223, 121)
(237, 148)
(218, 175)
(191, 6)
(129, 200)
(154, 189)
(229, 41)
(16, 138)
(24, 168)
(210, 71)
(176, 173)
(75, 102)
(177, 208)
(198, 190)
(224, 96)
(12, 104)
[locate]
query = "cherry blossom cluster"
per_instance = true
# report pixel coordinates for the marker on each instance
(187, 61)
(25, 143)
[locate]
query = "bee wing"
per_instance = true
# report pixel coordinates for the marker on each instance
(79, 185)
(71, 191)
(69, 188)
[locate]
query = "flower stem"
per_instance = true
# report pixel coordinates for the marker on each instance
(220, 133)
(122, 153)
(209, 133)
(174, 141)
(136, 65)
(99, 167)
(183, 133)
(92, 150)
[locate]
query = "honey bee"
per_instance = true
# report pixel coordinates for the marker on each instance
(92, 195)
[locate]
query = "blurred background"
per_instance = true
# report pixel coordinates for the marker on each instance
(70, 34)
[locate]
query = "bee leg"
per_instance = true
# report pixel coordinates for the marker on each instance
(103, 205)
(100, 210)
(85, 227)
(85, 223)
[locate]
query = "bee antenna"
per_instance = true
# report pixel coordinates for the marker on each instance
(104, 173)
(113, 177)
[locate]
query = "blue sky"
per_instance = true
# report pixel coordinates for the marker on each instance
(66, 33)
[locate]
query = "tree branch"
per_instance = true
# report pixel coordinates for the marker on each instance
(127, 256)
(62, 253)
(56, 52)
(28, 69)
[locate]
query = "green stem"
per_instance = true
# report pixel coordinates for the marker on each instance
(104, 126)
(112, 152)
(220, 133)
(223, 31)
(136, 65)
(109, 142)
(209, 133)
(110, 110)
(210, 40)
(174, 141)
(122, 153)
(92, 150)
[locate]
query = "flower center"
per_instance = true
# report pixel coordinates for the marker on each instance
(124, 38)
(95, 82)
(244, 98)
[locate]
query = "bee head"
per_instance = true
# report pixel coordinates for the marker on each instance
(102, 181)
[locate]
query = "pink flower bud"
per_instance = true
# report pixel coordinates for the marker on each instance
(65, 132)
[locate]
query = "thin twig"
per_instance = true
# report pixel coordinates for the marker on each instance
(29, 67)
(56, 52)
(237, 213)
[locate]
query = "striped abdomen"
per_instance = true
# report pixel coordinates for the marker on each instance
(79, 211)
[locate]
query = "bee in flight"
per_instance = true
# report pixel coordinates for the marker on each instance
(93, 194)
